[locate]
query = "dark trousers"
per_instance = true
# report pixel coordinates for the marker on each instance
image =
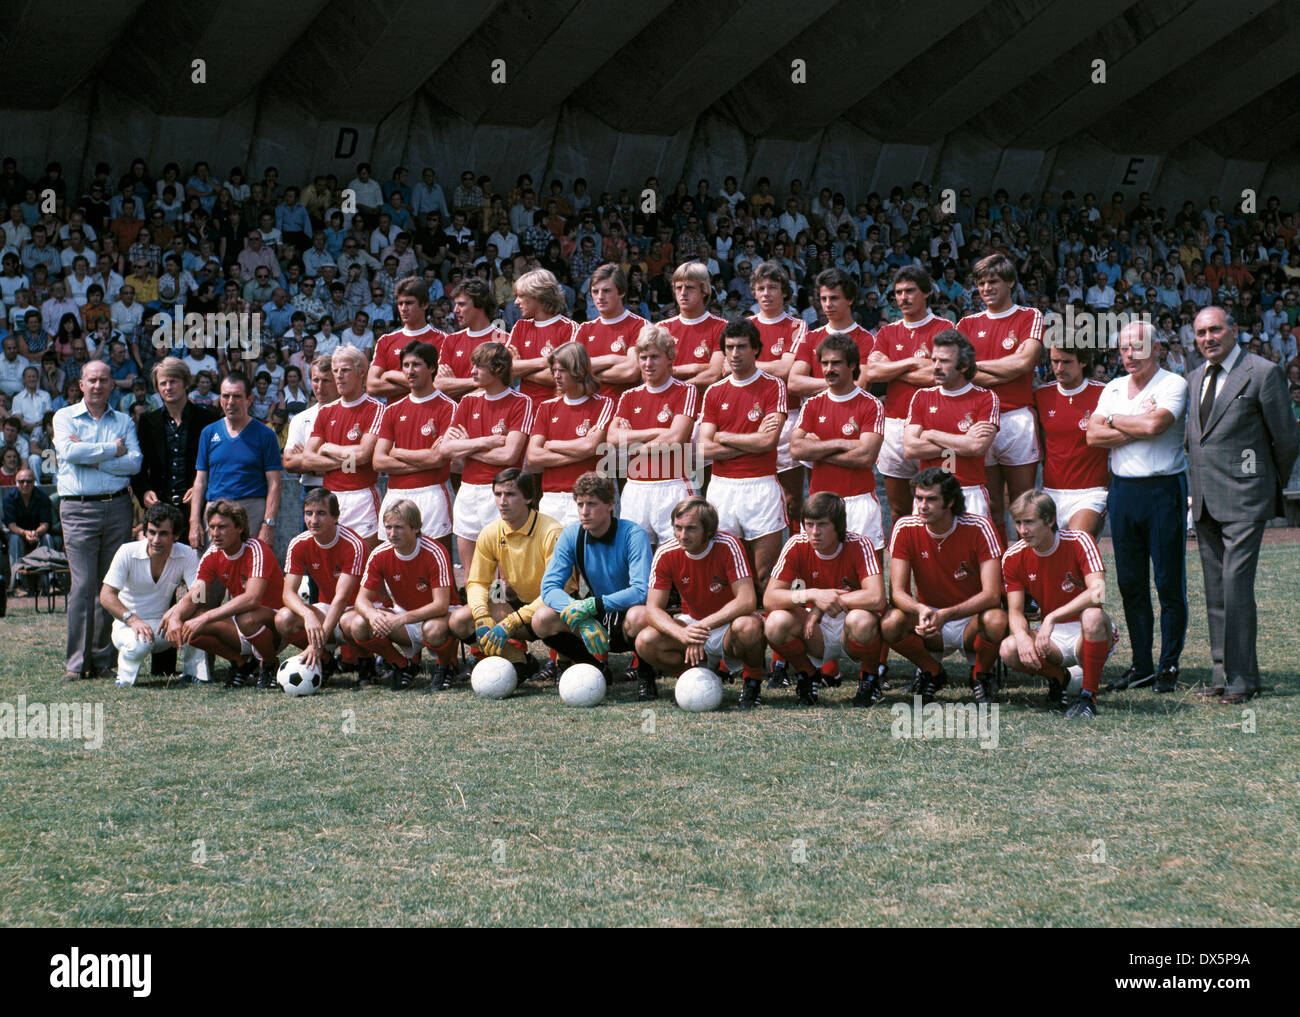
(1229, 556)
(1148, 525)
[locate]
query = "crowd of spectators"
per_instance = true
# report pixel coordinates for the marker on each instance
(99, 274)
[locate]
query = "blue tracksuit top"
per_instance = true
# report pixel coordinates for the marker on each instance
(617, 567)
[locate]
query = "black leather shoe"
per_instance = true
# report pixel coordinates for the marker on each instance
(869, 692)
(1131, 679)
(806, 689)
(1167, 680)
(751, 694)
(646, 689)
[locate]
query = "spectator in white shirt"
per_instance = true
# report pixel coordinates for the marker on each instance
(12, 366)
(1101, 295)
(32, 403)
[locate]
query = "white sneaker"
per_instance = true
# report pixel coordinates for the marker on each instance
(125, 683)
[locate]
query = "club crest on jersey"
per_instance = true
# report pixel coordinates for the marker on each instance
(717, 584)
(427, 428)
(963, 572)
(756, 413)
(584, 427)
(354, 433)
(618, 345)
(778, 347)
(921, 352)
(1009, 343)
(338, 571)
(850, 428)
(966, 423)
(701, 352)
(665, 414)
(499, 427)
(1083, 423)
(546, 350)
(1069, 584)
(422, 584)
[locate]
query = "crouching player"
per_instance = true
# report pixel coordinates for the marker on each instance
(611, 558)
(956, 561)
(413, 574)
(518, 544)
(242, 630)
(838, 601)
(334, 558)
(709, 571)
(1063, 571)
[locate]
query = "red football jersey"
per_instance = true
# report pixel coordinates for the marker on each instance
(739, 407)
(603, 337)
(643, 408)
(844, 570)
(946, 568)
(1055, 578)
(480, 415)
(324, 563)
(779, 336)
(340, 423)
(902, 341)
(826, 416)
(954, 413)
(560, 420)
(413, 423)
(530, 340)
(255, 560)
(408, 583)
(995, 336)
(458, 347)
(703, 583)
(697, 339)
(805, 350)
(388, 350)
(1069, 464)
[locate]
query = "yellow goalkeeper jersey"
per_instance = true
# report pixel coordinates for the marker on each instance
(522, 556)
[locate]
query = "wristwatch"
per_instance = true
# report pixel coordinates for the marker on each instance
(1110, 420)
(126, 618)
(268, 522)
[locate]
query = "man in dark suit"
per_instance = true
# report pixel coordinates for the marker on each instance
(169, 443)
(1241, 443)
(169, 439)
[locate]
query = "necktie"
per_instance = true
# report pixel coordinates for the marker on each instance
(1207, 399)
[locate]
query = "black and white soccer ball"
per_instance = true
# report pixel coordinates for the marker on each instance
(297, 679)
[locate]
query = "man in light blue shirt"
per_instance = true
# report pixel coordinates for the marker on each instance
(98, 453)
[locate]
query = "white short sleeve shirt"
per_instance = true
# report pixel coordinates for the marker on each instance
(1158, 456)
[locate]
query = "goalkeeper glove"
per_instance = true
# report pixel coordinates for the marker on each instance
(593, 636)
(578, 610)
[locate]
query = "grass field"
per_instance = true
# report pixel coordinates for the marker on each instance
(208, 807)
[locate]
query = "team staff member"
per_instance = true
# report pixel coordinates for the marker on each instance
(953, 425)
(653, 425)
(411, 573)
(955, 560)
(1075, 475)
(300, 425)
(98, 453)
(242, 629)
(409, 447)
(1242, 404)
(740, 427)
(542, 330)
(139, 588)
(1140, 419)
(696, 331)
(1063, 571)
(568, 431)
(518, 544)
(169, 440)
(709, 571)
(239, 461)
(611, 558)
(838, 606)
(611, 337)
(489, 431)
(386, 379)
(900, 360)
(334, 558)
(342, 443)
(1008, 341)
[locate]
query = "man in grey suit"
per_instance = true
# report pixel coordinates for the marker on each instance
(1241, 443)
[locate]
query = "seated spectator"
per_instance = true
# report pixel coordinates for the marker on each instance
(203, 393)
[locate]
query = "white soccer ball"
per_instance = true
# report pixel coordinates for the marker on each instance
(582, 685)
(698, 690)
(494, 678)
(297, 679)
(1075, 685)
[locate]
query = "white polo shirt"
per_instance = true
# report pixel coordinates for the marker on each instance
(131, 574)
(1158, 456)
(300, 427)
